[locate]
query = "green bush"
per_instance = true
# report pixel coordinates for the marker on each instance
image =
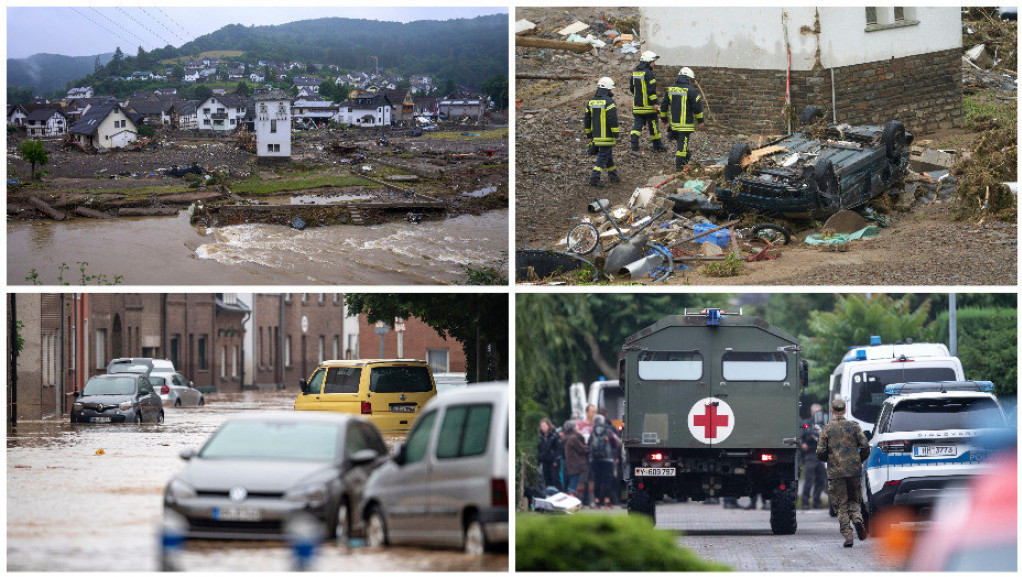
(600, 543)
(987, 345)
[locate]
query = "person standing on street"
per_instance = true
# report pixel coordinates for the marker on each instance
(644, 103)
(816, 471)
(682, 110)
(602, 129)
(547, 453)
(843, 447)
(576, 460)
(602, 447)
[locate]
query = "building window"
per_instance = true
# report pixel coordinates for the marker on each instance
(203, 364)
(234, 361)
(223, 362)
(205, 111)
(262, 352)
(337, 347)
(233, 122)
(322, 298)
(438, 360)
(174, 347)
(273, 126)
(101, 348)
(305, 297)
(287, 297)
(337, 298)
(205, 121)
(352, 352)
(322, 347)
(287, 351)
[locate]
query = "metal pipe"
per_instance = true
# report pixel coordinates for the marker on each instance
(280, 342)
(953, 324)
(63, 353)
(833, 96)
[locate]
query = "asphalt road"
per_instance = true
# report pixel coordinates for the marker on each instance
(742, 540)
(90, 498)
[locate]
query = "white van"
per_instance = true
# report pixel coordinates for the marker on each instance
(865, 371)
(604, 394)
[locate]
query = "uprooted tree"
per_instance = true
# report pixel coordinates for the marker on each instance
(34, 152)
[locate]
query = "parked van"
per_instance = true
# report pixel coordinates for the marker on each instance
(448, 483)
(389, 392)
(604, 394)
(865, 371)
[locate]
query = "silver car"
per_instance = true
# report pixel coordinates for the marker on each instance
(175, 390)
(260, 471)
(448, 483)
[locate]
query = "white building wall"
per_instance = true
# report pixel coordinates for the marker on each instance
(754, 37)
(248, 341)
(279, 111)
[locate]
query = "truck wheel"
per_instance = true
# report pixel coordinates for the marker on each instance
(893, 140)
(739, 151)
(640, 501)
(782, 512)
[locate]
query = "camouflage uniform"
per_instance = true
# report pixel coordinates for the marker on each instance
(843, 447)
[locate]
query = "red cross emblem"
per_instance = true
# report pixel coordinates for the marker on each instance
(709, 421)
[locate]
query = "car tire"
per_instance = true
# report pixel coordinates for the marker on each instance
(785, 233)
(161, 418)
(810, 115)
(739, 151)
(826, 185)
(782, 512)
(640, 501)
(474, 538)
(341, 525)
(138, 417)
(376, 529)
(177, 403)
(202, 401)
(893, 140)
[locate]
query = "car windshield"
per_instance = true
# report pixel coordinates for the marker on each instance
(279, 441)
(868, 386)
(943, 414)
(110, 386)
(137, 368)
(413, 379)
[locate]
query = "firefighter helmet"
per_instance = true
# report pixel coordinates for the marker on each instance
(648, 56)
(606, 82)
(686, 71)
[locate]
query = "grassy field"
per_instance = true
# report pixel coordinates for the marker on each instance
(494, 134)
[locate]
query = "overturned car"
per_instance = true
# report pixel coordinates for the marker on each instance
(816, 171)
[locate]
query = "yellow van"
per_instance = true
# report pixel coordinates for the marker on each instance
(389, 392)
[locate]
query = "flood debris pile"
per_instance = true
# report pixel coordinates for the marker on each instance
(990, 43)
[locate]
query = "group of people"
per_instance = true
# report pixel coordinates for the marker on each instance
(580, 457)
(680, 109)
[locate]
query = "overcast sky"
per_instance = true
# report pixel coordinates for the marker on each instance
(82, 31)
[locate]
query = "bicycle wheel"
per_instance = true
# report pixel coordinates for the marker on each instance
(771, 233)
(583, 238)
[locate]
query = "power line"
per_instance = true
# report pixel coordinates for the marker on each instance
(121, 26)
(160, 22)
(174, 21)
(101, 26)
(132, 18)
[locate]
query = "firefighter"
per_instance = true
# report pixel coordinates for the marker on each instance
(682, 110)
(644, 102)
(602, 130)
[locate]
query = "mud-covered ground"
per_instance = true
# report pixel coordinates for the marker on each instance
(923, 245)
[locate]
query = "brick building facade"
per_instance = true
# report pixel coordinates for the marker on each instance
(416, 341)
(293, 333)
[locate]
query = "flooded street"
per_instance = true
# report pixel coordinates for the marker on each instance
(90, 498)
(160, 251)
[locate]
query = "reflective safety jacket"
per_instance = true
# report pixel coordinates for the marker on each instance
(601, 119)
(643, 89)
(682, 106)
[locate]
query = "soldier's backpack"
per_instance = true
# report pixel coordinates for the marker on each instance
(599, 443)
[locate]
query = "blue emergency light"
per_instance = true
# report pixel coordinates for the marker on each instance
(874, 341)
(939, 387)
(713, 318)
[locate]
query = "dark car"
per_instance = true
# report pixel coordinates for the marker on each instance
(259, 471)
(117, 398)
(816, 171)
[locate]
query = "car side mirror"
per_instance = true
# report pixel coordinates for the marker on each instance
(399, 455)
(304, 385)
(191, 384)
(188, 453)
(364, 456)
(869, 435)
(76, 394)
(803, 373)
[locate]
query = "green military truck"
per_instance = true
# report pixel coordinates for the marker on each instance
(712, 410)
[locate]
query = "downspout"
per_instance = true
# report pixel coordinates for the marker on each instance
(241, 355)
(63, 352)
(165, 345)
(12, 340)
(280, 343)
(833, 95)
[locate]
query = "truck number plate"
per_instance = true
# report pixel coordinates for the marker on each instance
(935, 450)
(654, 471)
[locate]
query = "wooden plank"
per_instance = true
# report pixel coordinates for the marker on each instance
(165, 211)
(46, 209)
(760, 153)
(527, 42)
(91, 213)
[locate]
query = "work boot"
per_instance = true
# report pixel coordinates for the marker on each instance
(613, 176)
(860, 529)
(818, 505)
(805, 505)
(594, 179)
(634, 143)
(659, 146)
(849, 541)
(679, 163)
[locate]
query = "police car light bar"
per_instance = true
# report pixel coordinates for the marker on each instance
(939, 387)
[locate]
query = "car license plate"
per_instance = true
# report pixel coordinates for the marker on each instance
(402, 408)
(236, 514)
(99, 419)
(654, 471)
(935, 451)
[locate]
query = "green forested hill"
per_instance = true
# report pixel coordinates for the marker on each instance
(48, 72)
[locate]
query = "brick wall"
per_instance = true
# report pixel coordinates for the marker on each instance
(418, 338)
(923, 91)
(324, 317)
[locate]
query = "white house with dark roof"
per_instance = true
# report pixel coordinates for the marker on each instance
(16, 114)
(308, 84)
(272, 124)
(191, 75)
(46, 123)
(365, 110)
(221, 113)
(105, 126)
(314, 108)
(79, 92)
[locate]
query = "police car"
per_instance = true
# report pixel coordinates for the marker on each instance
(927, 442)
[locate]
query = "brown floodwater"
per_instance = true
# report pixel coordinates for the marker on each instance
(170, 251)
(72, 509)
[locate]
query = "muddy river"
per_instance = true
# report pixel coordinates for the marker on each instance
(70, 508)
(169, 251)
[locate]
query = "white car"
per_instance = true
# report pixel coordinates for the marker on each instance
(926, 443)
(175, 390)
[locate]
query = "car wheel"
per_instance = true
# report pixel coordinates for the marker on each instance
(342, 530)
(376, 529)
(177, 403)
(739, 151)
(893, 140)
(202, 401)
(138, 417)
(826, 185)
(160, 420)
(475, 538)
(810, 114)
